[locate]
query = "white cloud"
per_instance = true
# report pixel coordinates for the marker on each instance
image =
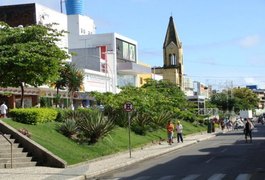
(250, 41)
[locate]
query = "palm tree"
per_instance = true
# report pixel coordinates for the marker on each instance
(74, 79)
(71, 78)
(61, 83)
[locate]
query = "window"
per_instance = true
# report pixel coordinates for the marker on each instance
(141, 80)
(172, 59)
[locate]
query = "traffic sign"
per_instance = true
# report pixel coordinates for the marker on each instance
(128, 107)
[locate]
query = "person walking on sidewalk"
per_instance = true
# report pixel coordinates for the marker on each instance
(170, 132)
(248, 130)
(3, 109)
(179, 129)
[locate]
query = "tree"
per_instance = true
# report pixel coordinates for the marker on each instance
(154, 104)
(245, 99)
(221, 100)
(71, 78)
(61, 83)
(29, 56)
(235, 99)
(74, 77)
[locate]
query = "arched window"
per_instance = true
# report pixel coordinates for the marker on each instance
(172, 59)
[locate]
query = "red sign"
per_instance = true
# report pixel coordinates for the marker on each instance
(103, 52)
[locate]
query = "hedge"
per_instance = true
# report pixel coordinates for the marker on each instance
(33, 115)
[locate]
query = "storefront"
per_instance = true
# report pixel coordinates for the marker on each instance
(37, 97)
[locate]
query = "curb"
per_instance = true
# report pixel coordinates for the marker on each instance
(151, 155)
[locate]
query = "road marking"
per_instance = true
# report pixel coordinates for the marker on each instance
(243, 177)
(191, 177)
(209, 160)
(166, 178)
(224, 150)
(216, 177)
(142, 178)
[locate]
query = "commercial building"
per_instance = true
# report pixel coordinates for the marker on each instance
(109, 60)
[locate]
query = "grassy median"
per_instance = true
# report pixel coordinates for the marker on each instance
(73, 153)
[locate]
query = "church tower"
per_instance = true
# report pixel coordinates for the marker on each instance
(173, 56)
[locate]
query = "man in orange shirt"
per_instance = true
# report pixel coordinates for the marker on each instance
(170, 130)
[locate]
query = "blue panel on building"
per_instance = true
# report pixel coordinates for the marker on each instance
(252, 87)
(74, 7)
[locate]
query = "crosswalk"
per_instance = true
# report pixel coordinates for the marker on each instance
(243, 176)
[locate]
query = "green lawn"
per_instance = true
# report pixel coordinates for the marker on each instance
(72, 152)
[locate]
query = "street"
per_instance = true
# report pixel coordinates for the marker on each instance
(226, 156)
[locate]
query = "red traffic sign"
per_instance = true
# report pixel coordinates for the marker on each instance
(128, 107)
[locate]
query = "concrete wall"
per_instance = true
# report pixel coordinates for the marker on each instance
(86, 58)
(46, 15)
(42, 155)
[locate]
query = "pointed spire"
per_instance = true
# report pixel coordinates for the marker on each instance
(171, 35)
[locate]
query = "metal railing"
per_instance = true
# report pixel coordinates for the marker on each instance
(208, 111)
(11, 148)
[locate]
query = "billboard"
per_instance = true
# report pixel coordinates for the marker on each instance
(125, 50)
(252, 87)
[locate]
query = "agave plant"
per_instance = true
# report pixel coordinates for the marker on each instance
(68, 127)
(95, 125)
(162, 118)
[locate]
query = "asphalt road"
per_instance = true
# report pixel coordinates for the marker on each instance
(226, 156)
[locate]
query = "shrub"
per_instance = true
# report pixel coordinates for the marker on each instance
(162, 118)
(68, 127)
(33, 115)
(94, 125)
(139, 129)
(62, 114)
(140, 122)
(187, 116)
(45, 102)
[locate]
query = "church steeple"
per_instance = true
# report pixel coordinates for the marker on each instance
(171, 35)
(173, 56)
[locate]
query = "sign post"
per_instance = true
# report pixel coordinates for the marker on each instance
(128, 107)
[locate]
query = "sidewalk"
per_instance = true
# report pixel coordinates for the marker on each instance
(92, 168)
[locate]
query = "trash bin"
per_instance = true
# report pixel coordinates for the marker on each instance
(209, 130)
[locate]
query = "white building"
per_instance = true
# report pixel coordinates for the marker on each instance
(109, 60)
(188, 86)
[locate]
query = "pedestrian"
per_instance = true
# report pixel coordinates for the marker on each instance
(170, 132)
(222, 124)
(248, 130)
(179, 129)
(3, 109)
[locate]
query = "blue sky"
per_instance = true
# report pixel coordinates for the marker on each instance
(223, 41)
